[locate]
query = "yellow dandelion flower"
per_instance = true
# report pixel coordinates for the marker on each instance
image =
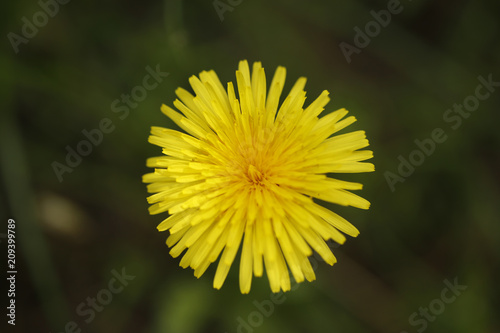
(247, 173)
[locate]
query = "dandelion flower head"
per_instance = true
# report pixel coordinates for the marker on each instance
(246, 175)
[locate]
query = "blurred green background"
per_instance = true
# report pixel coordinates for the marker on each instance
(74, 235)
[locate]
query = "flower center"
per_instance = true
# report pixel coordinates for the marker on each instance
(254, 175)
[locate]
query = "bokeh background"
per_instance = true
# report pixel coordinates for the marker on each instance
(441, 223)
